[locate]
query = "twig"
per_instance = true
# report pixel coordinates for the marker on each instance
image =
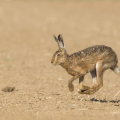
(116, 94)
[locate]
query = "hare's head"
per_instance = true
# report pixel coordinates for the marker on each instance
(60, 55)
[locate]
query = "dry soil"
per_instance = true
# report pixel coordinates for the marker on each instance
(26, 49)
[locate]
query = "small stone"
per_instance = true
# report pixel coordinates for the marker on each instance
(8, 89)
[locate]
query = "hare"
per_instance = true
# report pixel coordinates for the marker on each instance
(95, 59)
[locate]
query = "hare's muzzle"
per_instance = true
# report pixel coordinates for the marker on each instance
(52, 62)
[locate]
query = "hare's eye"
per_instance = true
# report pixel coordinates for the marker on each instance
(58, 55)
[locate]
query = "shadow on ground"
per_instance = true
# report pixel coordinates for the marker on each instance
(104, 101)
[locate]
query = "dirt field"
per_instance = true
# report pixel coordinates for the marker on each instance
(26, 49)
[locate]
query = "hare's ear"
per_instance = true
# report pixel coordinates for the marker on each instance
(56, 40)
(61, 42)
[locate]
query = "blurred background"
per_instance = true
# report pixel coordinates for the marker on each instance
(27, 45)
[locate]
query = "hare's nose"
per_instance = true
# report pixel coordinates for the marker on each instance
(52, 61)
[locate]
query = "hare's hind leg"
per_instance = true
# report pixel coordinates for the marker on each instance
(94, 77)
(81, 86)
(99, 70)
(96, 87)
(81, 78)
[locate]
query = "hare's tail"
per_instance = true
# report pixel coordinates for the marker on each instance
(116, 69)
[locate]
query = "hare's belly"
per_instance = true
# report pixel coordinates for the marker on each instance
(78, 70)
(75, 71)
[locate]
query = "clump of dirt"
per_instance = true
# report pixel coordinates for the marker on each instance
(8, 89)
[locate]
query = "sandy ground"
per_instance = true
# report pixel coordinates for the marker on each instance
(26, 49)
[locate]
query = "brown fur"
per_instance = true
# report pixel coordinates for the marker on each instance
(95, 59)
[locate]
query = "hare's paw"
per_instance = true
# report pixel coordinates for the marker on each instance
(93, 89)
(81, 92)
(71, 86)
(85, 88)
(89, 91)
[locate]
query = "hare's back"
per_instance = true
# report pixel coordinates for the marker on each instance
(94, 49)
(97, 52)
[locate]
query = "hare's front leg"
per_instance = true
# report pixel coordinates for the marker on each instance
(70, 85)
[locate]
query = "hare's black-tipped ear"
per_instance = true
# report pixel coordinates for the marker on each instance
(61, 42)
(55, 38)
(56, 41)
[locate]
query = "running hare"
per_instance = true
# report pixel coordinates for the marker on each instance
(95, 59)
